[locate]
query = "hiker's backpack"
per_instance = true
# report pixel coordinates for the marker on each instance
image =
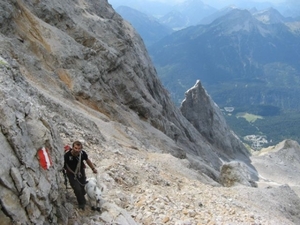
(67, 148)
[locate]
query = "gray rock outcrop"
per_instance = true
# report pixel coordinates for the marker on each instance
(208, 119)
(236, 173)
(279, 164)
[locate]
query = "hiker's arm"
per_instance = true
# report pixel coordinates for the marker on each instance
(91, 165)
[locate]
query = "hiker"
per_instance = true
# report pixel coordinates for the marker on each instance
(75, 171)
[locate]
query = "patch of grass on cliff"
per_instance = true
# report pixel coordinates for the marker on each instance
(3, 63)
(251, 118)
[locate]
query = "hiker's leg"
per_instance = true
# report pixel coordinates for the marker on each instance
(82, 180)
(78, 191)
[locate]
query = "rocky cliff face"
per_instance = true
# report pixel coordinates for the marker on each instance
(208, 119)
(74, 70)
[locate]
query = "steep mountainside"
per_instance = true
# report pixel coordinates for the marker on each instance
(75, 70)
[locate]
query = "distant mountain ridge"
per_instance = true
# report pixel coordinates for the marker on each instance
(235, 47)
(193, 10)
(272, 16)
(150, 29)
(209, 19)
(141, 15)
(176, 16)
(244, 60)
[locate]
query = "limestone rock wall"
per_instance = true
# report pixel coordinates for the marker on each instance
(28, 192)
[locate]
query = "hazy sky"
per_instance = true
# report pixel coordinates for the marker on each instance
(286, 7)
(222, 3)
(241, 1)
